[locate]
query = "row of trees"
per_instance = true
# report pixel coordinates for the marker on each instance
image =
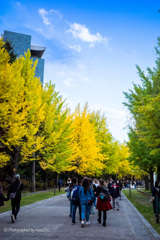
(38, 128)
(143, 103)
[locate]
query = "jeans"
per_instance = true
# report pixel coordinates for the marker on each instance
(115, 203)
(85, 209)
(74, 208)
(92, 208)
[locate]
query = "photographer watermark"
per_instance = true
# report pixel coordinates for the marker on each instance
(25, 230)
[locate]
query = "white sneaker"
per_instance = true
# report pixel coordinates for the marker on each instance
(87, 223)
(82, 224)
(12, 218)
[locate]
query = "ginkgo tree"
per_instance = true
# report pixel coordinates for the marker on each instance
(21, 108)
(86, 156)
(143, 103)
(13, 108)
(56, 129)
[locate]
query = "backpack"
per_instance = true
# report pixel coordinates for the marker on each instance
(104, 195)
(75, 194)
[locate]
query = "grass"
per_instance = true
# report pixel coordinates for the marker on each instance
(142, 203)
(26, 200)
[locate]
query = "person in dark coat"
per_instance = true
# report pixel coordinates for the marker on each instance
(71, 186)
(17, 187)
(102, 205)
(155, 192)
(60, 183)
(110, 184)
(2, 197)
(114, 191)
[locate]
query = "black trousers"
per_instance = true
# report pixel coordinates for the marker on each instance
(15, 206)
(59, 187)
(104, 216)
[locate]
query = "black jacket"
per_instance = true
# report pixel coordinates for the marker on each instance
(13, 188)
(114, 191)
(2, 199)
(102, 189)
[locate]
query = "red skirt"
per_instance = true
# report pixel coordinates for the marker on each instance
(103, 205)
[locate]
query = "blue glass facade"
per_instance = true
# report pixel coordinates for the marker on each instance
(21, 43)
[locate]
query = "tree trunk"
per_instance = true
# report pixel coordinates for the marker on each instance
(46, 181)
(146, 183)
(158, 173)
(151, 180)
(33, 177)
(57, 179)
(15, 164)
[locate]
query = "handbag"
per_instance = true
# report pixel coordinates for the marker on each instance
(13, 195)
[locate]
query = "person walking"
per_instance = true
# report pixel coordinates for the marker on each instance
(15, 187)
(119, 184)
(75, 202)
(114, 191)
(71, 186)
(2, 197)
(86, 198)
(110, 184)
(93, 186)
(102, 204)
(155, 192)
(96, 183)
(60, 183)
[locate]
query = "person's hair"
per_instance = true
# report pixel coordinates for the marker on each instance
(0, 188)
(85, 184)
(79, 181)
(90, 180)
(17, 176)
(101, 182)
(156, 183)
(74, 180)
(95, 180)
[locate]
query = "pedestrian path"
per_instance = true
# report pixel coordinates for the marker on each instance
(49, 219)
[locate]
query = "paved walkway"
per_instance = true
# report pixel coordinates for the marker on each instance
(49, 219)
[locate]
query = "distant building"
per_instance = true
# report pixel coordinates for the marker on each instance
(21, 43)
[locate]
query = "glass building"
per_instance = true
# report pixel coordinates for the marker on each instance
(21, 43)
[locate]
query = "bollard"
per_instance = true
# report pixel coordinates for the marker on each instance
(157, 209)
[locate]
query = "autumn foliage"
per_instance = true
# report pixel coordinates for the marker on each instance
(35, 125)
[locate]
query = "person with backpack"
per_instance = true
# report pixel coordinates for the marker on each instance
(103, 201)
(86, 197)
(114, 191)
(15, 187)
(75, 202)
(71, 186)
(2, 197)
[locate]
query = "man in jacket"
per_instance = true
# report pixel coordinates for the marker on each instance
(114, 191)
(17, 187)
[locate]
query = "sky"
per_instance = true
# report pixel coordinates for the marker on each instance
(92, 48)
